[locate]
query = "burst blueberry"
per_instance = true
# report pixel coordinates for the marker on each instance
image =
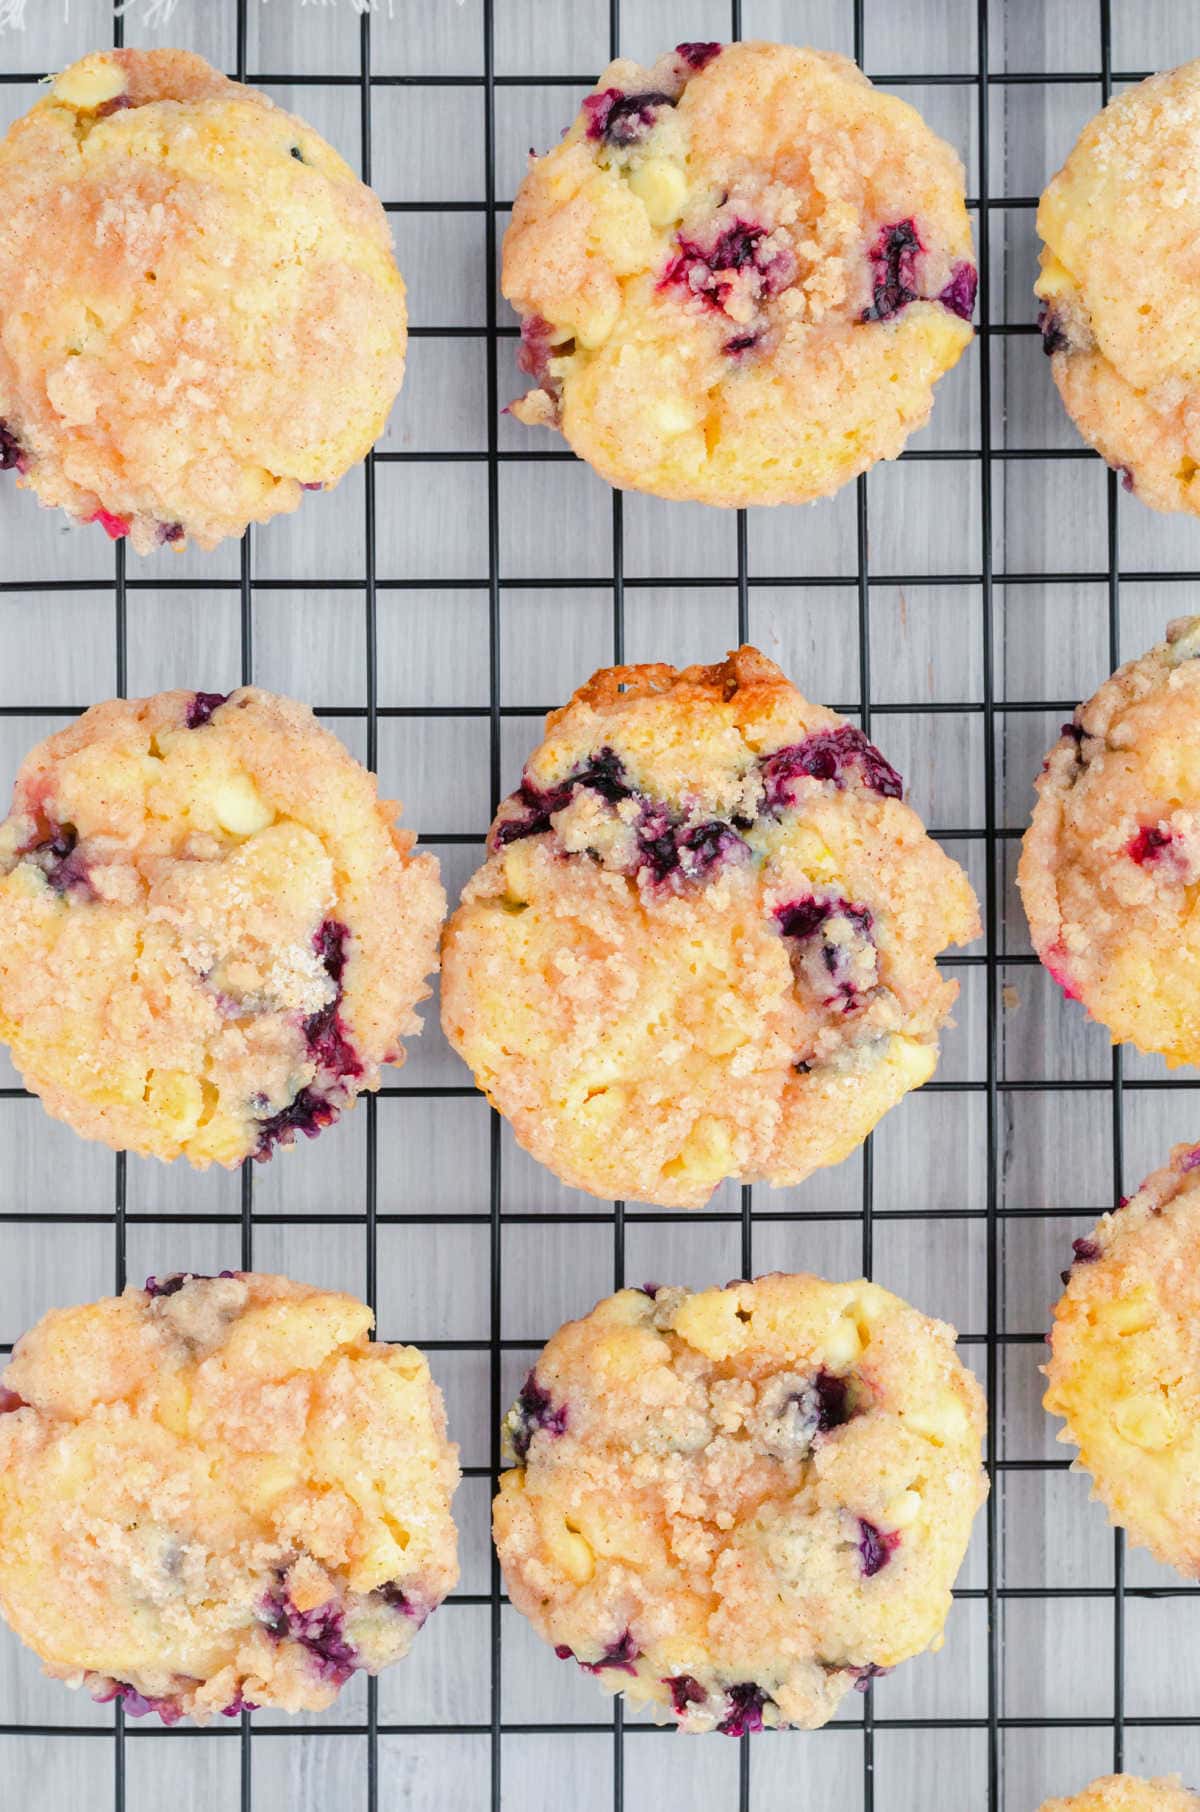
(171, 1283)
(534, 1410)
(623, 119)
(863, 1676)
(700, 54)
(325, 1030)
(138, 1705)
(685, 1690)
(711, 272)
(837, 755)
(12, 458)
(1148, 844)
(875, 1548)
(203, 704)
(621, 1655)
(320, 1631)
(745, 1702)
(1054, 334)
(603, 773)
(893, 272)
(959, 294)
(309, 1112)
(61, 861)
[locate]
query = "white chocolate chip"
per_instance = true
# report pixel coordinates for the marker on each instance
(89, 83)
(661, 187)
(671, 416)
(902, 1510)
(1147, 1421)
(239, 809)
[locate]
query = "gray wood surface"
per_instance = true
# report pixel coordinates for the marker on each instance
(57, 652)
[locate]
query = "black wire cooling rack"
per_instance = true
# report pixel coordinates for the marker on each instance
(500, 1775)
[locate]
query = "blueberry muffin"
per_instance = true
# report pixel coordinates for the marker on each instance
(735, 1506)
(703, 942)
(218, 1493)
(1124, 1372)
(1127, 1793)
(1120, 309)
(1111, 858)
(740, 275)
(200, 314)
(212, 932)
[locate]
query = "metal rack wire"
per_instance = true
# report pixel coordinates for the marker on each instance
(754, 1210)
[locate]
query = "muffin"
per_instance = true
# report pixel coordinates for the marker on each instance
(740, 275)
(1124, 1372)
(1111, 858)
(735, 1506)
(200, 314)
(703, 942)
(1120, 309)
(218, 1493)
(212, 934)
(1128, 1793)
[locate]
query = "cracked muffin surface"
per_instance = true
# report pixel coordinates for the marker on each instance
(1110, 861)
(212, 932)
(703, 942)
(218, 1494)
(737, 1505)
(740, 274)
(1120, 310)
(1124, 1372)
(200, 311)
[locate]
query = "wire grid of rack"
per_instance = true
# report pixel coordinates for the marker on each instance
(957, 604)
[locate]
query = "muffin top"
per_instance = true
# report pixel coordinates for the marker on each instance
(736, 1505)
(1121, 311)
(1112, 855)
(1124, 1371)
(201, 313)
(211, 931)
(741, 273)
(218, 1493)
(1128, 1793)
(703, 941)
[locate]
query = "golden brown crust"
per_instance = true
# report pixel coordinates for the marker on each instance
(202, 314)
(1129, 1793)
(219, 1492)
(703, 942)
(1124, 1371)
(211, 936)
(735, 1505)
(715, 301)
(1112, 853)
(1119, 222)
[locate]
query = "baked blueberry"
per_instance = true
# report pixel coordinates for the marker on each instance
(757, 1504)
(217, 1493)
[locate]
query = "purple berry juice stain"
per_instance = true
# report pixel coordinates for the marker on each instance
(685, 1690)
(836, 755)
(12, 457)
(875, 1548)
(623, 119)
(745, 1702)
(699, 55)
(535, 1410)
(893, 278)
(203, 704)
